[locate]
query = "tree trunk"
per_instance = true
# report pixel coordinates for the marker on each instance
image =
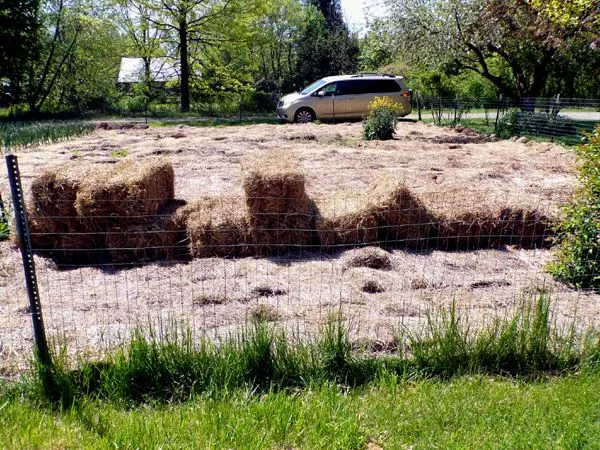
(185, 68)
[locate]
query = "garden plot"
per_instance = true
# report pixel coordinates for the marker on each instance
(92, 308)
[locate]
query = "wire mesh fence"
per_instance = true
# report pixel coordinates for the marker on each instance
(116, 251)
(564, 120)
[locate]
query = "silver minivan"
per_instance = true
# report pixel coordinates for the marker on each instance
(342, 97)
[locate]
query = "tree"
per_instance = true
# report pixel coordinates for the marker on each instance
(470, 33)
(19, 26)
(276, 44)
(192, 26)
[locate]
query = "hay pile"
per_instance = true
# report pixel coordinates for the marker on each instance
(402, 219)
(343, 221)
(217, 227)
(371, 257)
(54, 224)
(280, 214)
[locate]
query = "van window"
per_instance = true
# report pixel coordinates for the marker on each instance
(330, 89)
(389, 86)
(357, 87)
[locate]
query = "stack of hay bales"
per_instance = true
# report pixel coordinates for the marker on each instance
(134, 203)
(343, 221)
(90, 214)
(217, 227)
(402, 219)
(280, 214)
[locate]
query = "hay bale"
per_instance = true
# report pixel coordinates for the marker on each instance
(370, 257)
(218, 227)
(467, 231)
(161, 237)
(401, 217)
(469, 220)
(54, 191)
(130, 189)
(280, 214)
(342, 221)
(81, 248)
(525, 227)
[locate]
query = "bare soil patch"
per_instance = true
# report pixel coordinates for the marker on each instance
(91, 309)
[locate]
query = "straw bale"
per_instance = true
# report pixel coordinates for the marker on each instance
(476, 220)
(342, 220)
(401, 216)
(131, 189)
(280, 214)
(54, 191)
(218, 227)
(161, 237)
(525, 227)
(467, 231)
(82, 248)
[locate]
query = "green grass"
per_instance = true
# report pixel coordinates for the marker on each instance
(518, 384)
(175, 368)
(393, 412)
(21, 134)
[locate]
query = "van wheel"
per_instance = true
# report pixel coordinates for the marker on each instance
(304, 115)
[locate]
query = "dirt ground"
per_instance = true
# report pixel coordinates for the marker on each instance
(91, 309)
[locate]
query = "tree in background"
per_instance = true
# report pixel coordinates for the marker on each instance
(191, 27)
(325, 45)
(276, 45)
(469, 34)
(19, 23)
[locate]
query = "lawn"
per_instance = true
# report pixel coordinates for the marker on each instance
(467, 412)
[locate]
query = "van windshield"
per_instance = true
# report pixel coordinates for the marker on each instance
(313, 87)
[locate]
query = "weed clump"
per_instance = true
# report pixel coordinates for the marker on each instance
(380, 123)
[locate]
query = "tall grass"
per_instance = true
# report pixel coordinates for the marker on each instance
(263, 358)
(20, 134)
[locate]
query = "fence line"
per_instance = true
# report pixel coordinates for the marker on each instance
(386, 256)
(563, 119)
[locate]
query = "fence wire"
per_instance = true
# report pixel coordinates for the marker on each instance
(565, 120)
(387, 257)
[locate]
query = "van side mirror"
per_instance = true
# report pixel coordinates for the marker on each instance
(321, 94)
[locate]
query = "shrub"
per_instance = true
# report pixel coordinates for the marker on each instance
(382, 119)
(578, 258)
(534, 123)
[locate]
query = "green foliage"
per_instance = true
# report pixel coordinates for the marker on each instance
(392, 413)
(521, 123)
(524, 344)
(4, 223)
(578, 258)
(380, 123)
(324, 49)
(173, 367)
(20, 134)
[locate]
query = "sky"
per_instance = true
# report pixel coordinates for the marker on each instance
(355, 10)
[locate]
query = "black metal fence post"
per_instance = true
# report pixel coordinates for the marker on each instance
(498, 113)
(419, 103)
(41, 345)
